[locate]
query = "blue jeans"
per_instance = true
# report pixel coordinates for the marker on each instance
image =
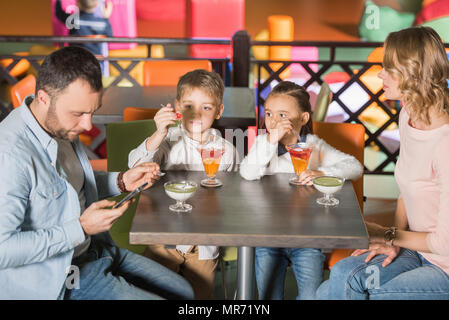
(271, 268)
(112, 273)
(408, 277)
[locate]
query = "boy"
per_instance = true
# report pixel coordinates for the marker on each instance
(199, 100)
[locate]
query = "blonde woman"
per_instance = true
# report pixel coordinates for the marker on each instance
(409, 260)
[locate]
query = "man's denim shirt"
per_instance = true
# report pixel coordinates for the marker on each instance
(39, 210)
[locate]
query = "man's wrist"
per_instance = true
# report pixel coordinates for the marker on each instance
(120, 184)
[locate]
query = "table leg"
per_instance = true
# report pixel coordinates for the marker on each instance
(245, 273)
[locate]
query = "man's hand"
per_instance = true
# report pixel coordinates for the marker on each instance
(99, 218)
(137, 176)
(378, 248)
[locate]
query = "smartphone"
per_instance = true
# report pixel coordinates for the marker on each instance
(130, 195)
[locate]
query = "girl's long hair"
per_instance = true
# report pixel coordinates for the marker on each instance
(302, 100)
(417, 58)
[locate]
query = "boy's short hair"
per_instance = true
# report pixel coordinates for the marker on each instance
(88, 4)
(203, 79)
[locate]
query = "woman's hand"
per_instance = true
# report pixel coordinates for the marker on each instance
(378, 248)
(306, 177)
(376, 232)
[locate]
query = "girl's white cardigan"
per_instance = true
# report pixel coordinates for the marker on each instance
(263, 159)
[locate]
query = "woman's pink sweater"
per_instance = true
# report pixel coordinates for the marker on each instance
(422, 174)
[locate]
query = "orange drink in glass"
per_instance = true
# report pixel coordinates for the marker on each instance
(211, 157)
(300, 155)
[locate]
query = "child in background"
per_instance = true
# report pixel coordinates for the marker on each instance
(88, 24)
(199, 100)
(287, 113)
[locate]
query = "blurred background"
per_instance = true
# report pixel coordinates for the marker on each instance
(333, 20)
(317, 29)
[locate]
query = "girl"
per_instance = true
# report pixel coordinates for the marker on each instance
(409, 260)
(287, 113)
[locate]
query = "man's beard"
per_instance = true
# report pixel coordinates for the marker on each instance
(53, 125)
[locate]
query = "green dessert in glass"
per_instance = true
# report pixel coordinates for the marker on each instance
(180, 191)
(328, 185)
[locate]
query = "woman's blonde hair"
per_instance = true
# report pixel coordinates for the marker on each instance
(417, 58)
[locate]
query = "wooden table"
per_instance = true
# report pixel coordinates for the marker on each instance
(247, 214)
